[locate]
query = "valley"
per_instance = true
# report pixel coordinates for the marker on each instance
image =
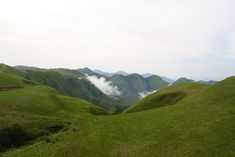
(51, 114)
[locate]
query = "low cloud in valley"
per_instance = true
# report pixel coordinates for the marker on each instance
(105, 86)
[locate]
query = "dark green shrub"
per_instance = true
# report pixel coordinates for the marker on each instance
(13, 136)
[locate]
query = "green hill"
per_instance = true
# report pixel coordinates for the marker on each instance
(183, 80)
(167, 96)
(186, 119)
(31, 112)
(11, 78)
(201, 124)
(72, 83)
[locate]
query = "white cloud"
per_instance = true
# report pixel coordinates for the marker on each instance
(105, 86)
(145, 93)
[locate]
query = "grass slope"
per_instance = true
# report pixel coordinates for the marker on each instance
(10, 77)
(200, 124)
(167, 96)
(72, 83)
(38, 110)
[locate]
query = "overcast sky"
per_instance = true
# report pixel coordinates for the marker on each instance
(192, 38)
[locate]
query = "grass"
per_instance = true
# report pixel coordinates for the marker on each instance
(167, 96)
(67, 82)
(7, 80)
(39, 110)
(183, 120)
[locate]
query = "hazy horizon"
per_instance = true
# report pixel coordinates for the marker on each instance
(185, 38)
(174, 78)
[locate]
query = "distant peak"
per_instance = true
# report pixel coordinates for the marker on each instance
(183, 79)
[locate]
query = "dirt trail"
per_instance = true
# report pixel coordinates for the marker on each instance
(9, 88)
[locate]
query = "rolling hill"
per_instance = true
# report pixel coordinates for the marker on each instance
(186, 119)
(31, 112)
(73, 83)
(167, 96)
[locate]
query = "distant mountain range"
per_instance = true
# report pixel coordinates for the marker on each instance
(131, 86)
(100, 73)
(76, 83)
(163, 77)
(107, 74)
(184, 80)
(22, 67)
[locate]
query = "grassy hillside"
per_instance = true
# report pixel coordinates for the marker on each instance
(31, 112)
(200, 122)
(167, 96)
(7, 80)
(31, 97)
(72, 83)
(11, 78)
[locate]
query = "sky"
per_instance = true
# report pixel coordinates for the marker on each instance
(190, 38)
